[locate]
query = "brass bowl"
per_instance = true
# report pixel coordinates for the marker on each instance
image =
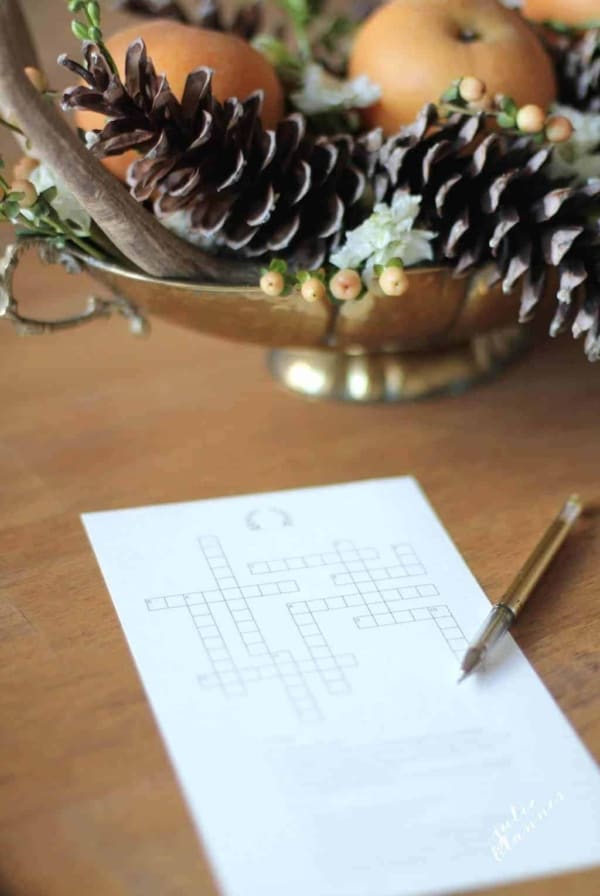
(443, 335)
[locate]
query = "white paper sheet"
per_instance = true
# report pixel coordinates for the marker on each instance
(300, 651)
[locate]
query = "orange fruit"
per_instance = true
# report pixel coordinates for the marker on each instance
(414, 49)
(177, 50)
(570, 12)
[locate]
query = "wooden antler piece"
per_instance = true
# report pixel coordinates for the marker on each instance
(132, 229)
(20, 35)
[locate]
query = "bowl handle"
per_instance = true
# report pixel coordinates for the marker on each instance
(96, 307)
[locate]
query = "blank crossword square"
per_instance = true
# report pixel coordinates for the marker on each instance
(287, 587)
(299, 606)
(226, 581)
(355, 566)
(428, 591)
(269, 589)
(302, 617)
(315, 640)
(421, 614)
(259, 568)
(409, 592)
(251, 591)
(367, 588)
(231, 594)
(242, 615)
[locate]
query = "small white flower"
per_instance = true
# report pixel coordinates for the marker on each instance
(578, 157)
(388, 233)
(180, 223)
(64, 203)
(91, 138)
(322, 92)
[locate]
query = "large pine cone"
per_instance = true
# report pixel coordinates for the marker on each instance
(246, 22)
(242, 187)
(490, 199)
(578, 69)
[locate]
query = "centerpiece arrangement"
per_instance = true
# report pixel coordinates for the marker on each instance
(382, 193)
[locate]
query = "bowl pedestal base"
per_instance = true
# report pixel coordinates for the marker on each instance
(394, 377)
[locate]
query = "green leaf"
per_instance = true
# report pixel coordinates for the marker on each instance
(506, 121)
(93, 11)
(508, 106)
(452, 94)
(49, 195)
(278, 265)
(95, 34)
(79, 30)
(75, 5)
(11, 209)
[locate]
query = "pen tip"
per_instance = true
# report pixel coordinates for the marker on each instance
(462, 677)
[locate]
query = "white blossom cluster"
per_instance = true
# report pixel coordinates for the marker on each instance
(322, 92)
(579, 157)
(389, 233)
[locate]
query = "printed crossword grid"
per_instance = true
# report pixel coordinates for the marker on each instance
(374, 591)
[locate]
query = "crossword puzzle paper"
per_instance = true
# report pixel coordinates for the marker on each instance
(300, 651)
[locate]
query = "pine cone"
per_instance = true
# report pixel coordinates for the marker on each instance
(491, 200)
(164, 9)
(578, 69)
(244, 188)
(246, 23)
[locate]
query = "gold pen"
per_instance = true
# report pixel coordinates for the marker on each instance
(504, 614)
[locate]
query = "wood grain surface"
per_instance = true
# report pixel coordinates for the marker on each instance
(97, 420)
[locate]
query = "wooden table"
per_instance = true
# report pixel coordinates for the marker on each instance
(96, 420)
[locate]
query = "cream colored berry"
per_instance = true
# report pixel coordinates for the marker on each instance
(24, 168)
(313, 290)
(37, 78)
(393, 281)
(472, 90)
(531, 119)
(28, 191)
(559, 129)
(272, 283)
(346, 285)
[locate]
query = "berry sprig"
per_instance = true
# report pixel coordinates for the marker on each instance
(335, 286)
(32, 214)
(469, 95)
(89, 27)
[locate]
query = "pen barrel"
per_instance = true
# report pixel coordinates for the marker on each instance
(535, 567)
(495, 626)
